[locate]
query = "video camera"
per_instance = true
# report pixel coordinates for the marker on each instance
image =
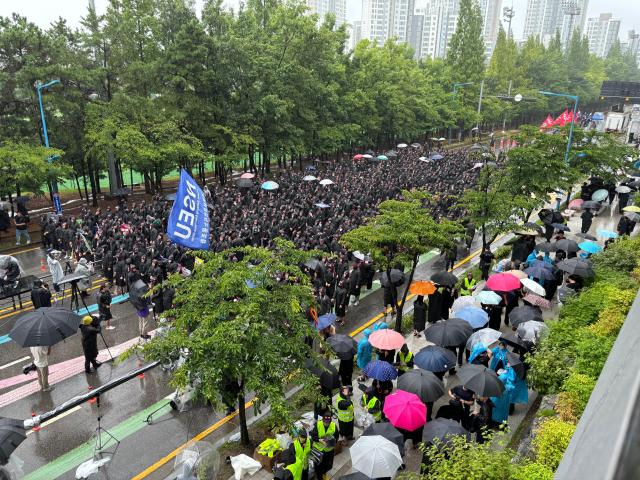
(27, 369)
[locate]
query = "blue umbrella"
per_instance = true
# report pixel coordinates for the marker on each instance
(590, 247)
(607, 234)
(322, 205)
(380, 370)
(636, 165)
(436, 156)
(600, 195)
(382, 158)
(325, 320)
(487, 297)
(435, 359)
(269, 185)
(541, 264)
(249, 283)
(474, 316)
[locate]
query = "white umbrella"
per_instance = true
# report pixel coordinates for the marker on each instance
(326, 182)
(533, 287)
(623, 189)
(531, 330)
(485, 336)
(375, 456)
(477, 165)
(367, 156)
(416, 145)
(402, 145)
(309, 178)
(424, 159)
(462, 302)
(359, 255)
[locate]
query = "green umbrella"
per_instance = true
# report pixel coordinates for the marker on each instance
(382, 158)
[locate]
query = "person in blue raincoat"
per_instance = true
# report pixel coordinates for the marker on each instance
(498, 357)
(380, 326)
(547, 258)
(479, 355)
(500, 412)
(520, 392)
(533, 256)
(364, 351)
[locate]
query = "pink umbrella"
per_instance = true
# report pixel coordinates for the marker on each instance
(247, 175)
(405, 410)
(537, 300)
(386, 339)
(576, 204)
(357, 157)
(503, 282)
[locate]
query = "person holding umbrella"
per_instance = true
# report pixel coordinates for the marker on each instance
(341, 299)
(40, 356)
(345, 411)
(104, 305)
(486, 257)
(419, 315)
(587, 219)
(325, 435)
(89, 328)
(365, 351)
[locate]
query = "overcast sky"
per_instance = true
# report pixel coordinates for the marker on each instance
(43, 12)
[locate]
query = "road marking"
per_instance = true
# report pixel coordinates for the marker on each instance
(25, 251)
(55, 419)
(14, 362)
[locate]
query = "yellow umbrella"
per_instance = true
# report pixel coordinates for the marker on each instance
(631, 208)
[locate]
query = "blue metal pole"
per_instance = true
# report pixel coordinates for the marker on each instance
(54, 184)
(44, 122)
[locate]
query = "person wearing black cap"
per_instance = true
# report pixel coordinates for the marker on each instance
(345, 412)
(297, 456)
(324, 436)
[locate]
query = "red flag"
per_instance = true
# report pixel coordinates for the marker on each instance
(570, 118)
(562, 119)
(501, 143)
(514, 144)
(548, 123)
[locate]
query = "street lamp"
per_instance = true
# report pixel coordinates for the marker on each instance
(455, 89)
(55, 196)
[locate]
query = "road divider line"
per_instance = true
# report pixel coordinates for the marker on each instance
(10, 364)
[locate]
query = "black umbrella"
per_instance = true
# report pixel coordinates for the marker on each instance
(546, 216)
(12, 434)
(540, 271)
(387, 431)
(441, 430)
(44, 327)
(123, 192)
(523, 314)
(435, 359)
(516, 363)
(369, 152)
(344, 346)
(561, 226)
(391, 154)
(546, 247)
(244, 183)
(137, 294)
(567, 245)
(481, 380)
(444, 278)
(591, 204)
(564, 293)
(534, 226)
(513, 340)
(448, 333)
(397, 278)
(314, 264)
(577, 266)
(327, 373)
(424, 384)
(586, 236)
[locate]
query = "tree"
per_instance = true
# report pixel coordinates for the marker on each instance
(465, 53)
(240, 322)
(25, 167)
(397, 236)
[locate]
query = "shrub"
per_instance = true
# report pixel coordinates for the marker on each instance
(549, 368)
(573, 400)
(551, 440)
(566, 407)
(623, 255)
(532, 471)
(502, 252)
(609, 322)
(592, 354)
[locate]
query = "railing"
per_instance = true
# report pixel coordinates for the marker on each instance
(606, 443)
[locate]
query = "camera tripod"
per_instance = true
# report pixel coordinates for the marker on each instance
(100, 445)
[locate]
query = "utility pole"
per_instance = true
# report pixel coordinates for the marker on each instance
(480, 107)
(55, 196)
(504, 118)
(508, 13)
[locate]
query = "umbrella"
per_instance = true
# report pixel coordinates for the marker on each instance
(590, 247)
(382, 158)
(485, 336)
(576, 266)
(357, 475)
(516, 363)
(586, 236)
(513, 340)
(23, 199)
(436, 156)
(387, 431)
(405, 410)
(487, 297)
(481, 380)
(375, 456)
(631, 208)
(326, 320)
(474, 316)
(121, 192)
(463, 302)
(565, 292)
(633, 216)
(380, 370)
(444, 278)
(545, 247)
(435, 359)
(314, 264)
(269, 185)
(386, 339)
(448, 333)
(171, 197)
(391, 154)
(12, 434)
(344, 346)
(311, 168)
(523, 314)
(423, 159)
(576, 204)
(357, 156)
(137, 295)
(309, 178)
(533, 286)
(503, 282)
(516, 273)
(402, 145)
(567, 245)
(322, 205)
(634, 184)
(591, 204)
(324, 182)
(531, 331)
(561, 227)
(531, 232)
(538, 271)
(44, 327)
(424, 384)
(244, 183)
(607, 234)
(441, 139)
(422, 287)
(397, 278)
(441, 430)
(600, 195)
(533, 226)
(247, 175)
(416, 145)
(623, 189)
(537, 300)
(359, 255)
(326, 372)
(367, 156)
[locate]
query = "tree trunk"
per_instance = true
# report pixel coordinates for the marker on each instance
(75, 176)
(404, 296)
(484, 236)
(242, 415)
(96, 180)
(92, 180)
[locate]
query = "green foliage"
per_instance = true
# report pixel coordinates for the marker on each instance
(532, 471)
(577, 389)
(623, 256)
(551, 440)
(27, 167)
(502, 252)
(592, 354)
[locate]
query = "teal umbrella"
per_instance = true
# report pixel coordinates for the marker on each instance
(590, 247)
(600, 195)
(382, 158)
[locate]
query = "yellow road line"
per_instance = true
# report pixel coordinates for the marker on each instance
(55, 419)
(25, 251)
(149, 470)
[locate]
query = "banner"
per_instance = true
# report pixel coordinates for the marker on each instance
(189, 220)
(548, 123)
(563, 119)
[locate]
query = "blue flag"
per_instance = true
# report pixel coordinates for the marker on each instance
(189, 220)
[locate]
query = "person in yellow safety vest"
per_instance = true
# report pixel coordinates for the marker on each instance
(344, 409)
(468, 285)
(404, 360)
(297, 456)
(324, 436)
(372, 404)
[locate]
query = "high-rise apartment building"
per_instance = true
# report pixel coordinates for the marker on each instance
(446, 12)
(491, 11)
(546, 17)
(322, 7)
(602, 32)
(633, 44)
(384, 19)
